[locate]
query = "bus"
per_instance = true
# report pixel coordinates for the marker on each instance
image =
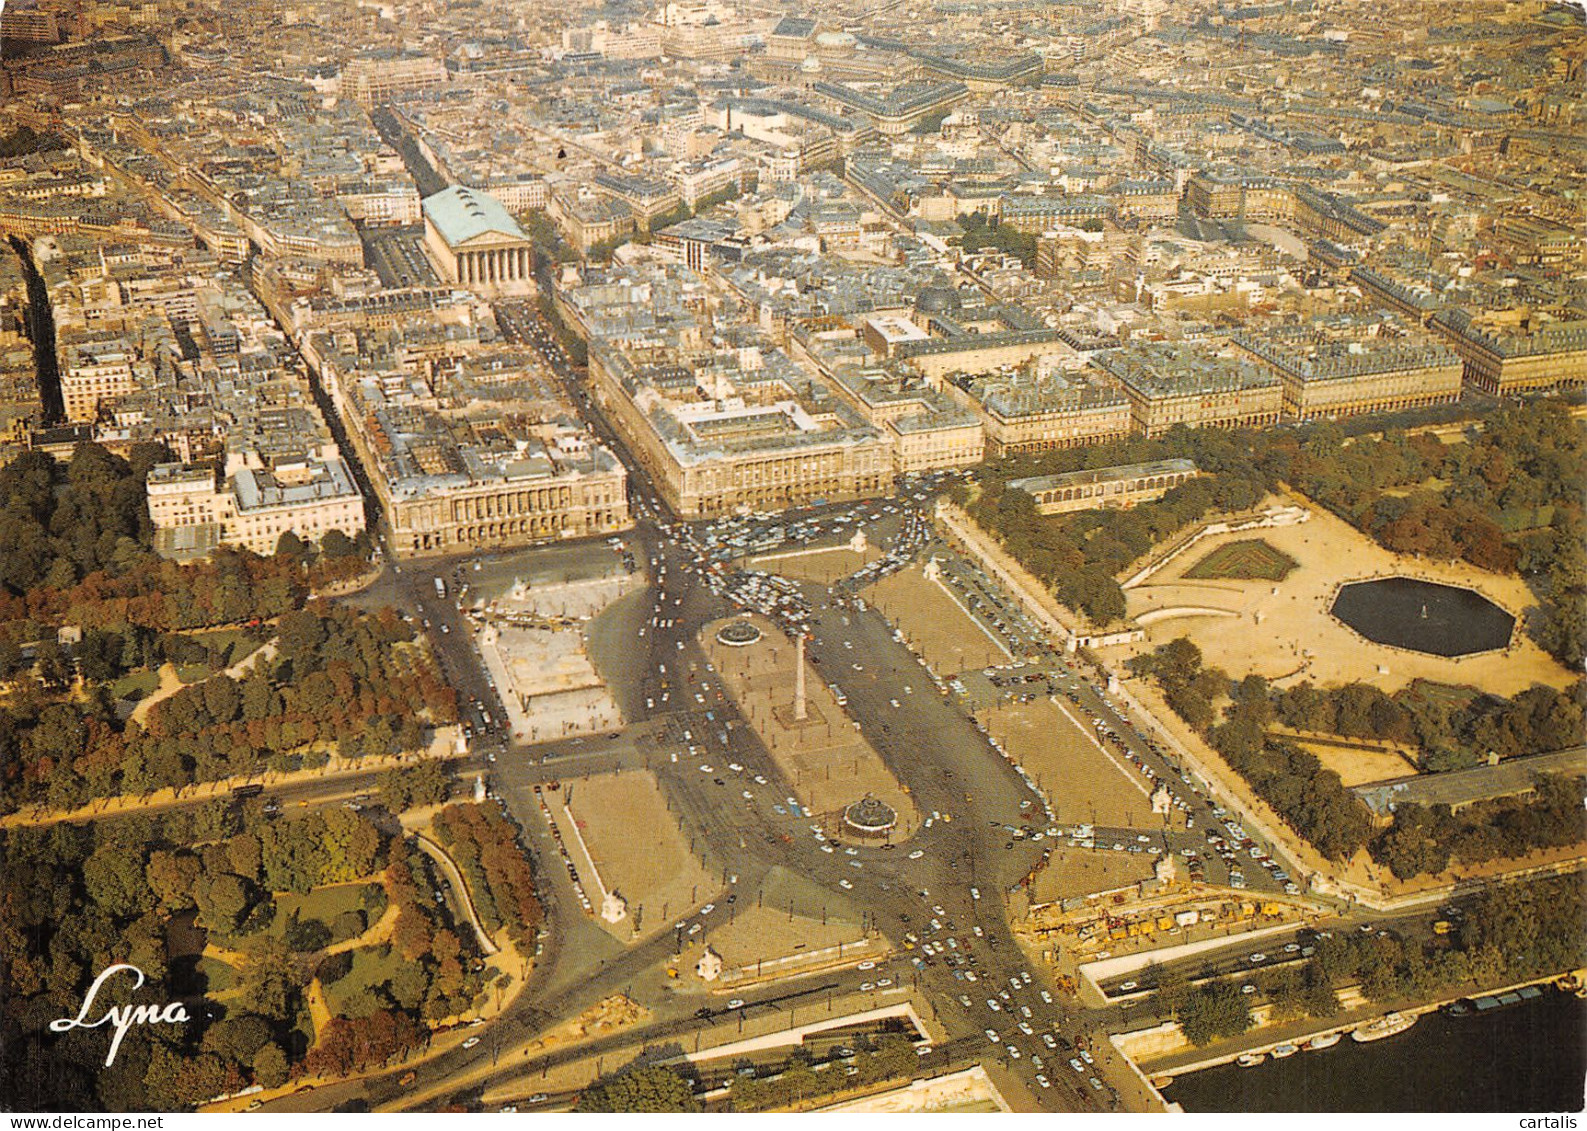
(440, 589)
(253, 789)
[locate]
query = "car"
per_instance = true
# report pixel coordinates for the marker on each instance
(827, 848)
(1046, 997)
(867, 987)
(705, 768)
(883, 983)
(992, 1004)
(1258, 957)
(1074, 1062)
(845, 885)
(991, 1035)
(1248, 988)
(471, 1042)
(736, 1003)
(866, 965)
(1085, 1055)
(964, 1000)
(1024, 1027)
(1013, 1053)
(1128, 986)
(917, 854)
(975, 893)
(1043, 1081)
(1096, 1084)
(538, 1098)
(748, 796)
(1047, 1039)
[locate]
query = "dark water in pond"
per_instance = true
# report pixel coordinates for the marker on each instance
(1524, 1058)
(1443, 620)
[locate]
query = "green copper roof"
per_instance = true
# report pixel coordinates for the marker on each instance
(460, 214)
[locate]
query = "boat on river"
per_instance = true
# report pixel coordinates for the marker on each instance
(1389, 1025)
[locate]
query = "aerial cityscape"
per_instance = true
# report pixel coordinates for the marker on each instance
(961, 556)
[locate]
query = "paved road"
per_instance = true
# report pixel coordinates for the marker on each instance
(938, 898)
(916, 895)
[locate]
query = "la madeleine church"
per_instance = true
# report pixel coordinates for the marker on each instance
(475, 242)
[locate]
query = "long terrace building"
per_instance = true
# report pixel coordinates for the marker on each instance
(1110, 487)
(1508, 353)
(1024, 411)
(713, 457)
(1170, 384)
(1356, 363)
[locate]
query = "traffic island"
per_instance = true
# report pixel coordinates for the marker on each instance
(634, 864)
(815, 744)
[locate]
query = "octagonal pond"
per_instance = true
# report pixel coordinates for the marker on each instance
(1441, 620)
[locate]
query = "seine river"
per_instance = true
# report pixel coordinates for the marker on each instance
(1529, 1057)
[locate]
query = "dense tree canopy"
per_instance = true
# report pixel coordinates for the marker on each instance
(1311, 798)
(1081, 554)
(642, 1089)
(1507, 498)
(1453, 730)
(1236, 721)
(484, 843)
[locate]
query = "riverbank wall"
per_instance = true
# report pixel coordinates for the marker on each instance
(1160, 1051)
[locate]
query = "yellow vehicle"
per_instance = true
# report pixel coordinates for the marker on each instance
(1443, 927)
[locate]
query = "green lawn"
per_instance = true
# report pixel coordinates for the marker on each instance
(218, 975)
(372, 966)
(232, 643)
(1249, 559)
(193, 673)
(324, 904)
(135, 686)
(1459, 695)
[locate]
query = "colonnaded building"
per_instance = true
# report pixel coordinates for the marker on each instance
(1118, 487)
(474, 242)
(712, 457)
(469, 441)
(719, 428)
